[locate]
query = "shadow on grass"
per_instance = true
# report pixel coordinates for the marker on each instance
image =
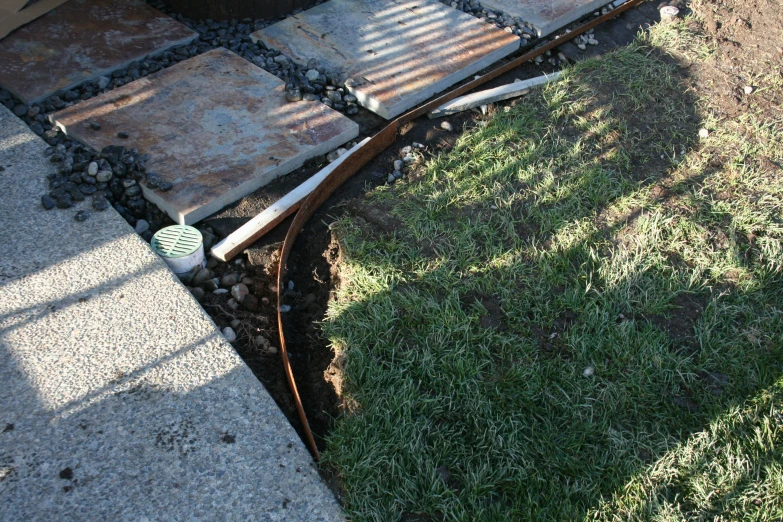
(563, 316)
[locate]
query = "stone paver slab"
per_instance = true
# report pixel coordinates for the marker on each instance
(120, 400)
(81, 40)
(397, 53)
(547, 16)
(215, 125)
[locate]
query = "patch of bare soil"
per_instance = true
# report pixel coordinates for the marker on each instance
(748, 37)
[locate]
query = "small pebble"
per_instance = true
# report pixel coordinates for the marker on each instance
(197, 293)
(290, 285)
(229, 334)
(239, 292)
(397, 164)
(142, 226)
(92, 168)
(82, 215)
(588, 372)
(391, 178)
(100, 203)
(235, 323)
(165, 186)
(748, 89)
(285, 308)
(94, 125)
(103, 176)
(704, 133)
(220, 291)
(153, 182)
(229, 280)
(294, 95)
(47, 202)
(446, 126)
(202, 276)
(123, 135)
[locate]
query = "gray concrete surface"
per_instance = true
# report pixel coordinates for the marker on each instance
(119, 398)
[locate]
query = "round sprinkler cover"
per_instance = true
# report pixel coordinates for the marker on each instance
(176, 241)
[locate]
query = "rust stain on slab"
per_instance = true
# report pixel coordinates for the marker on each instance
(547, 16)
(397, 52)
(81, 40)
(215, 125)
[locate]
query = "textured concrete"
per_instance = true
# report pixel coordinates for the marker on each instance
(81, 40)
(547, 16)
(215, 125)
(397, 53)
(119, 399)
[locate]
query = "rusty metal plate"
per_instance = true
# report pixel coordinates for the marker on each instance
(547, 16)
(215, 125)
(397, 53)
(81, 40)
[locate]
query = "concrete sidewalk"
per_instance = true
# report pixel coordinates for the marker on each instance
(119, 399)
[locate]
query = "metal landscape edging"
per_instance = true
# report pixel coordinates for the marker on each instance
(377, 144)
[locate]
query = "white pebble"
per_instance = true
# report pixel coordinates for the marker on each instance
(229, 334)
(92, 168)
(220, 291)
(397, 164)
(588, 372)
(446, 126)
(142, 226)
(704, 133)
(748, 89)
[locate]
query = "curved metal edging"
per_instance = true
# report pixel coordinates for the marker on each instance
(367, 152)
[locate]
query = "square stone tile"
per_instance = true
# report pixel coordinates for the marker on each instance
(547, 16)
(398, 53)
(215, 125)
(81, 40)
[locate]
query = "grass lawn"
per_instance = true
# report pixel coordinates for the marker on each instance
(576, 313)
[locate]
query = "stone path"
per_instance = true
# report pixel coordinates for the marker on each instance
(81, 40)
(120, 399)
(216, 126)
(547, 16)
(397, 53)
